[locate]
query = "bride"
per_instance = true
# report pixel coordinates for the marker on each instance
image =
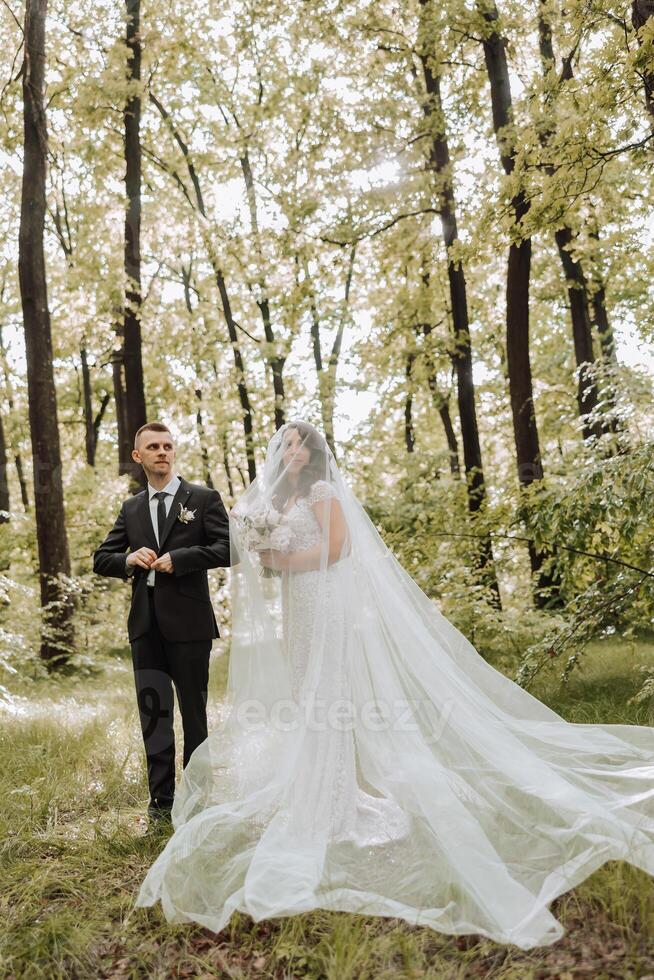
(369, 759)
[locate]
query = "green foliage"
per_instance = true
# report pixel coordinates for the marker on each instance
(339, 234)
(600, 521)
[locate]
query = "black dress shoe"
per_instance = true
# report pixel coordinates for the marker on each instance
(160, 811)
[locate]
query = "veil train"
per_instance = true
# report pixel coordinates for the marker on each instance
(370, 760)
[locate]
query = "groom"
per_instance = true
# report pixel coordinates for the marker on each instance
(175, 531)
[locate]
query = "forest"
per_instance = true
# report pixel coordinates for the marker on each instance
(424, 227)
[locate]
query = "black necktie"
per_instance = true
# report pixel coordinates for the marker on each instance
(161, 513)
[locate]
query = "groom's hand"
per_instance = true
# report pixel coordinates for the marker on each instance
(142, 556)
(163, 564)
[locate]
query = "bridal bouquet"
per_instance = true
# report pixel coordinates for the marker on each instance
(264, 529)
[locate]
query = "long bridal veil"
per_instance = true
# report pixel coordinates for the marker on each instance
(369, 759)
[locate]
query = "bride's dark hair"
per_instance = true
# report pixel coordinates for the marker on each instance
(315, 469)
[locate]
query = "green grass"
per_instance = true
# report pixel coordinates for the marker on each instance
(74, 852)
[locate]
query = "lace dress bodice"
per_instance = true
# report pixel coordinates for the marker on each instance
(306, 594)
(301, 519)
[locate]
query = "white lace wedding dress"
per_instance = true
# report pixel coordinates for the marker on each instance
(348, 811)
(371, 761)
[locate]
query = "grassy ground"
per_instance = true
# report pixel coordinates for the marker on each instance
(74, 852)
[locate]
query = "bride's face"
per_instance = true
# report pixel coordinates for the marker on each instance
(296, 455)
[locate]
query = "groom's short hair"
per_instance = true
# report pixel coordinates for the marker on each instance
(155, 427)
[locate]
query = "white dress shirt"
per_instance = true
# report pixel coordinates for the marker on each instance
(170, 490)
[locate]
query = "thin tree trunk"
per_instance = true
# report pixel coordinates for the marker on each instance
(5, 503)
(609, 359)
(274, 359)
(576, 284)
(226, 466)
(91, 424)
(642, 11)
(442, 406)
(316, 344)
(409, 432)
(97, 421)
(204, 452)
(440, 167)
(89, 441)
(604, 328)
(582, 333)
(57, 636)
(224, 442)
(525, 430)
(243, 394)
(125, 445)
(601, 318)
(22, 482)
(18, 462)
(199, 422)
(232, 331)
(441, 401)
(135, 410)
(327, 374)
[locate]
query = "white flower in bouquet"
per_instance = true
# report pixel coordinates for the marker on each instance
(281, 538)
(263, 530)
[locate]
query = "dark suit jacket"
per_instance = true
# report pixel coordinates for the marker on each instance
(181, 598)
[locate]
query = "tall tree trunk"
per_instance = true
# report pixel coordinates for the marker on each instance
(441, 170)
(525, 431)
(131, 347)
(274, 359)
(57, 636)
(641, 12)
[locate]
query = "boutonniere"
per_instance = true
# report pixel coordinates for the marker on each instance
(185, 515)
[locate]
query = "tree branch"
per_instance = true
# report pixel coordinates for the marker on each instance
(165, 115)
(377, 231)
(547, 544)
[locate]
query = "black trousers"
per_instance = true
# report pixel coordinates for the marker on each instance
(158, 665)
